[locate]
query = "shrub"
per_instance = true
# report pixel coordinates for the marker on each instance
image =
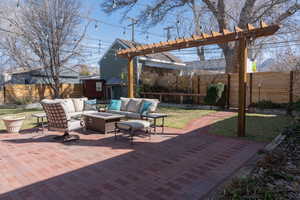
(24, 100)
(215, 95)
(296, 106)
(267, 104)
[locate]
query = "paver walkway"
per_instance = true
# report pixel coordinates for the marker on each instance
(182, 164)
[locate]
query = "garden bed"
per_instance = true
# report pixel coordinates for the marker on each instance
(193, 106)
(275, 175)
(272, 111)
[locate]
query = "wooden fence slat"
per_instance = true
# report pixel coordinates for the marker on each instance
(251, 87)
(37, 92)
(273, 86)
(228, 91)
(291, 87)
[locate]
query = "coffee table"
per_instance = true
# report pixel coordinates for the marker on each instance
(100, 121)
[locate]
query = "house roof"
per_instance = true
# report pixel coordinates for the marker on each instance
(164, 56)
(211, 64)
(21, 70)
(90, 77)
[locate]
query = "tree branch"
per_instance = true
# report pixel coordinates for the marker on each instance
(289, 12)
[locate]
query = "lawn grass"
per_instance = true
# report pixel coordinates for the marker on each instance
(259, 127)
(180, 117)
(29, 122)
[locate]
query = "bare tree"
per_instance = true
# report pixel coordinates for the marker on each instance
(45, 34)
(222, 14)
(289, 61)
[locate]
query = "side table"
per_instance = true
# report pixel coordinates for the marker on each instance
(40, 119)
(155, 117)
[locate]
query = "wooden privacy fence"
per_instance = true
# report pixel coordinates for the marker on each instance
(278, 87)
(20, 93)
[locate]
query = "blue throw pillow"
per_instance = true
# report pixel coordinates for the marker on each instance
(91, 102)
(145, 107)
(114, 104)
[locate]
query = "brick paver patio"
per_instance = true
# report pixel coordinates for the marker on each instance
(182, 164)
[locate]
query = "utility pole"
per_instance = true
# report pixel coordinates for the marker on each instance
(99, 47)
(168, 28)
(133, 23)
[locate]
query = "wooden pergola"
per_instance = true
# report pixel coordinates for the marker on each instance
(241, 35)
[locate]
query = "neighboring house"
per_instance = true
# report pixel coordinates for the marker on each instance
(38, 76)
(4, 77)
(113, 69)
(209, 66)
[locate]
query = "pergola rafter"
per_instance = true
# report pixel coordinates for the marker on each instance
(241, 35)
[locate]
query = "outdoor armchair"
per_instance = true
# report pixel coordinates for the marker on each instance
(58, 120)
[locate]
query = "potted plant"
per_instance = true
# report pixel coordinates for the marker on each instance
(13, 124)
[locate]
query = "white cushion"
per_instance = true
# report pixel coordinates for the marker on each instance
(68, 104)
(133, 124)
(133, 115)
(50, 101)
(134, 105)
(79, 103)
(124, 103)
(74, 125)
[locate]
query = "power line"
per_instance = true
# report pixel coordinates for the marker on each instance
(119, 26)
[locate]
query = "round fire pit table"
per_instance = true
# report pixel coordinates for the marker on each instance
(13, 124)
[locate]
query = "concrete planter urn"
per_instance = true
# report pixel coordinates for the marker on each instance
(13, 124)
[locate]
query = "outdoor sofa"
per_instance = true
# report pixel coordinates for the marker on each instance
(133, 108)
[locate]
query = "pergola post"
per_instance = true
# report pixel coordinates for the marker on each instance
(243, 56)
(130, 78)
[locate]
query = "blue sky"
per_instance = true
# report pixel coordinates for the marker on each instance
(107, 28)
(100, 30)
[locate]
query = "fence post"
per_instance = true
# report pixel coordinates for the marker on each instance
(250, 87)
(198, 87)
(291, 87)
(4, 94)
(176, 89)
(228, 91)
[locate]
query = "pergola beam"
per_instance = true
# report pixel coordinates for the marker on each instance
(201, 40)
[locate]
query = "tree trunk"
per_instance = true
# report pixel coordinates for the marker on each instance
(230, 54)
(196, 17)
(56, 88)
(200, 53)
